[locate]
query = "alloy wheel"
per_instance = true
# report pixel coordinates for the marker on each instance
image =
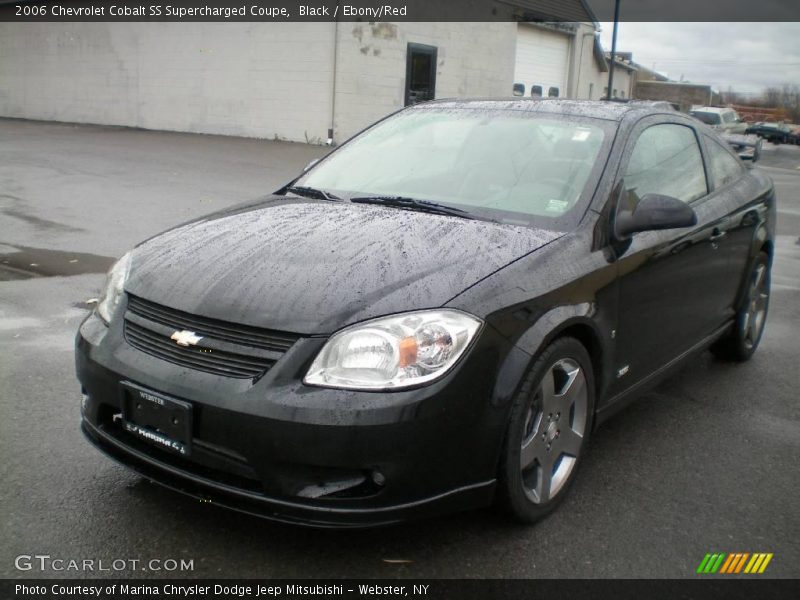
(554, 429)
(757, 298)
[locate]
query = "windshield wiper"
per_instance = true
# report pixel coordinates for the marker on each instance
(414, 204)
(310, 192)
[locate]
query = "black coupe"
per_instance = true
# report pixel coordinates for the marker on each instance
(433, 317)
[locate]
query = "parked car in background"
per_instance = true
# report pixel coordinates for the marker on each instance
(777, 133)
(434, 316)
(721, 119)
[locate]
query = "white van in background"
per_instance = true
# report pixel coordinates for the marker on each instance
(723, 119)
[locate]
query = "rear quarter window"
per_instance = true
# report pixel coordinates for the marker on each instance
(724, 167)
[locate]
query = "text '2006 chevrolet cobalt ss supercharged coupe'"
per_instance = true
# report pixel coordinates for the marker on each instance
(434, 316)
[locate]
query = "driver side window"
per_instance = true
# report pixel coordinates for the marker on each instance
(665, 160)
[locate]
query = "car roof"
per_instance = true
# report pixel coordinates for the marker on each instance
(614, 110)
(711, 109)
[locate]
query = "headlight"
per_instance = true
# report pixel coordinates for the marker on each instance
(113, 291)
(394, 352)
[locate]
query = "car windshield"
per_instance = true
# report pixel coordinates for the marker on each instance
(708, 118)
(509, 166)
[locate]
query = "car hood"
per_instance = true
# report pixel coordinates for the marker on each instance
(312, 267)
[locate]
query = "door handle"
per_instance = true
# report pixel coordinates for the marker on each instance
(717, 234)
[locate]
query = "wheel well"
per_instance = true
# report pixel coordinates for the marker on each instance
(768, 248)
(586, 336)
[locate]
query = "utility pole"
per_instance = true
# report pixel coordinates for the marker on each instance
(613, 51)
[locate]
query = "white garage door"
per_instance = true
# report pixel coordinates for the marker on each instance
(542, 58)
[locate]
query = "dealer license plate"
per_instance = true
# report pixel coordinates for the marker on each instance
(158, 419)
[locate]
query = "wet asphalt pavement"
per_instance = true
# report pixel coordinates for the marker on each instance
(708, 462)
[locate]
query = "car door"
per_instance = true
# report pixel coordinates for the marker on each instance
(725, 171)
(672, 283)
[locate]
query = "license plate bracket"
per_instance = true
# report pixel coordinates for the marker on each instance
(158, 419)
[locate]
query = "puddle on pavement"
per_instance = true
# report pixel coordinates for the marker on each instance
(25, 263)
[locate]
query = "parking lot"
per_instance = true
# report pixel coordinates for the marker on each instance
(705, 463)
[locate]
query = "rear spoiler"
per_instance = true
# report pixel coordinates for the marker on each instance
(748, 147)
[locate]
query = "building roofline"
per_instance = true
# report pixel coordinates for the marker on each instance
(621, 63)
(591, 14)
(643, 69)
(599, 54)
(542, 11)
(676, 83)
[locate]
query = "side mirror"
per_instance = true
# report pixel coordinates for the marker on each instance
(653, 212)
(311, 164)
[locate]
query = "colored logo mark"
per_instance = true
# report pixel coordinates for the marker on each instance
(736, 562)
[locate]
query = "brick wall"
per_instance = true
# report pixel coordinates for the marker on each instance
(685, 95)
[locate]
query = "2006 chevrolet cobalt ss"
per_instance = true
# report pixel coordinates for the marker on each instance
(433, 317)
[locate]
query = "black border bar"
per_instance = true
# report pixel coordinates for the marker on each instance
(706, 588)
(398, 10)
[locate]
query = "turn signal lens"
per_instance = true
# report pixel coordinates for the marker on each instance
(408, 351)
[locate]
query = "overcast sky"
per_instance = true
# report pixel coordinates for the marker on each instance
(745, 56)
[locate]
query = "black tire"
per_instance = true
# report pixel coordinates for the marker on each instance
(742, 341)
(535, 421)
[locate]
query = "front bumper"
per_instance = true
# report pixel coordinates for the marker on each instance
(289, 452)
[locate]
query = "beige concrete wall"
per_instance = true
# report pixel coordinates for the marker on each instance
(248, 79)
(584, 72)
(622, 82)
(474, 59)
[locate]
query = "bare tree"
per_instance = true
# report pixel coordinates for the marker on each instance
(772, 97)
(731, 96)
(781, 102)
(790, 101)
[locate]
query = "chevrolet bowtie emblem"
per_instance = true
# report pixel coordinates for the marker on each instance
(186, 338)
